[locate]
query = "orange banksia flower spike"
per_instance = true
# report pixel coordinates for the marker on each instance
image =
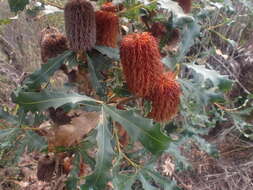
(80, 24)
(107, 26)
(186, 5)
(52, 44)
(140, 59)
(165, 98)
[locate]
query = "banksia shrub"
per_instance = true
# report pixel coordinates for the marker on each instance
(107, 26)
(53, 44)
(186, 5)
(80, 24)
(141, 63)
(165, 98)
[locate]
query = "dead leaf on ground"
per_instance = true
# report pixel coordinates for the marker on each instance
(71, 134)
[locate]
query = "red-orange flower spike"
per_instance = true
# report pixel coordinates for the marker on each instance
(186, 5)
(141, 63)
(107, 26)
(165, 98)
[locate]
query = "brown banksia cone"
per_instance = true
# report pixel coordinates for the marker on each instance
(52, 44)
(107, 26)
(186, 5)
(110, 7)
(47, 30)
(165, 98)
(45, 168)
(140, 58)
(80, 24)
(158, 29)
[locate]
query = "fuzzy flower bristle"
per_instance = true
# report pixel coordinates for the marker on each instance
(165, 98)
(107, 24)
(80, 24)
(186, 5)
(52, 44)
(110, 7)
(140, 58)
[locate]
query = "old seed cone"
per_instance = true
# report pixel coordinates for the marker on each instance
(107, 26)
(158, 29)
(165, 98)
(80, 24)
(47, 30)
(52, 44)
(186, 5)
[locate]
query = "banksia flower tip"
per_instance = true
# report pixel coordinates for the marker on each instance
(141, 63)
(107, 26)
(186, 5)
(109, 6)
(52, 44)
(80, 24)
(165, 98)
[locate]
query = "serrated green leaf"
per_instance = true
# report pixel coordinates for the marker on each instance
(8, 117)
(39, 101)
(33, 141)
(222, 82)
(121, 181)
(190, 32)
(42, 75)
(17, 5)
(104, 157)
(145, 183)
(112, 53)
(205, 146)
(161, 180)
(174, 149)
(95, 78)
(140, 128)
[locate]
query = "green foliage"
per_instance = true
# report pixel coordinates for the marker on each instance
(35, 80)
(219, 81)
(141, 129)
(17, 5)
(104, 157)
(40, 101)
